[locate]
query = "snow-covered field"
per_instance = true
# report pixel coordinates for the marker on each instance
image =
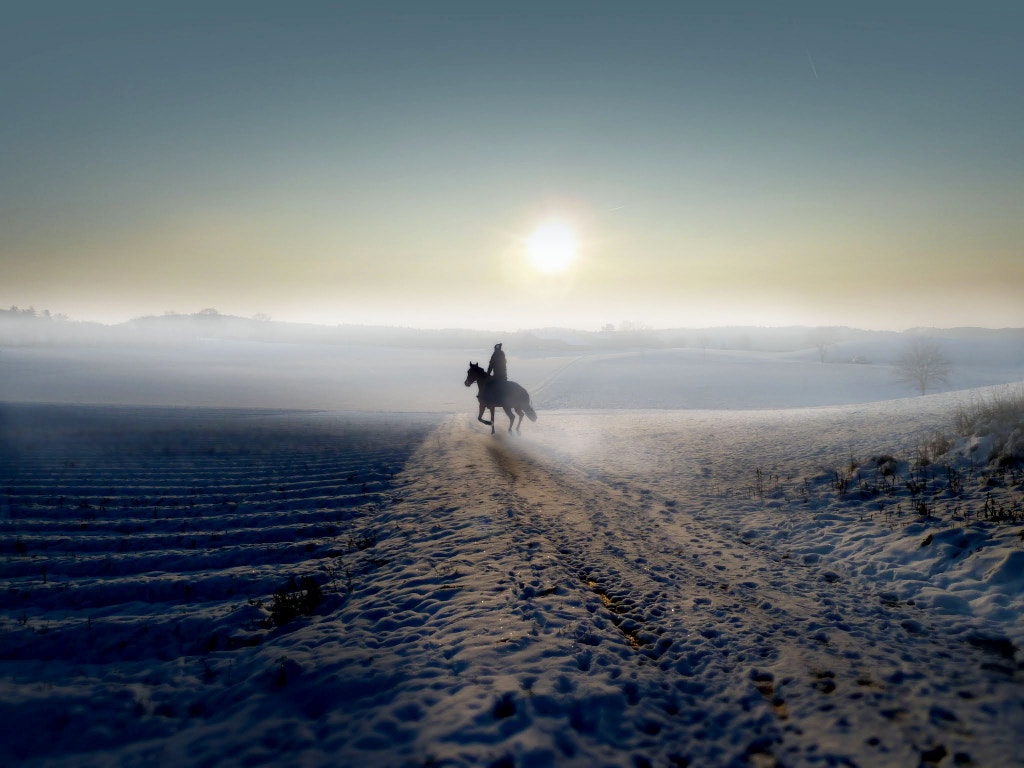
(628, 588)
(252, 374)
(730, 379)
(219, 372)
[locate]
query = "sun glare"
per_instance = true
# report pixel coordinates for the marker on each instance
(551, 247)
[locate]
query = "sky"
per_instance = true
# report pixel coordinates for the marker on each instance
(387, 163)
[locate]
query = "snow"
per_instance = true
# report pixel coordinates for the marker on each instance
(731, 379)
(616, 585)
(231, 372)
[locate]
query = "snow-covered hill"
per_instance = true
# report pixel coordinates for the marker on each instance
(259, 374)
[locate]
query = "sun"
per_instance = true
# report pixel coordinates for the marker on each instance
(551, 247)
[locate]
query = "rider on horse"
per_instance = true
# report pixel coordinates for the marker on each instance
(497, 364)
(497, 391)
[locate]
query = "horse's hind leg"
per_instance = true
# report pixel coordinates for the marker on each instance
(511, 417)
(520, 412)
(491, 422)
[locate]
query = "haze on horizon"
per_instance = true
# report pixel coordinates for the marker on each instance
(860, 166)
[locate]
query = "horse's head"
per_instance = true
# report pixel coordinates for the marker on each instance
(474, 373)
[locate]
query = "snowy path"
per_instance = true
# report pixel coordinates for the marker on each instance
(655, 630)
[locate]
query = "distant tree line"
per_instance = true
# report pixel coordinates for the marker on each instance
(31, 312)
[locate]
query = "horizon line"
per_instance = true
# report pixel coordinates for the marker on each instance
(30, 311)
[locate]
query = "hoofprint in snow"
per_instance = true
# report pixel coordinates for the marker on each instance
(630, 588)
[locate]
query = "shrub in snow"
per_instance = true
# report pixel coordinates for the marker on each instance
(294, 600)
(995, 426)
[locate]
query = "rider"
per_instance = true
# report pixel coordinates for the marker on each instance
(497, 364)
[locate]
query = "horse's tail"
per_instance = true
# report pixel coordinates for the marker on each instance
(530, 413)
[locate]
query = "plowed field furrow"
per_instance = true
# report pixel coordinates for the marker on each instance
(116, 519)
(144, 536)
(38, 491)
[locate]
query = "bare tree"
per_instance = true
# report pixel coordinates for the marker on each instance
(704, 340)
(821, 339)
(922, 364)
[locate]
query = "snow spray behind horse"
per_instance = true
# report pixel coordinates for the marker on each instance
(493, 392)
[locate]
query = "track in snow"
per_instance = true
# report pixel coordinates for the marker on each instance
(723, 649)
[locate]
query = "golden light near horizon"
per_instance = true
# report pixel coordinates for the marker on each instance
(552, 246)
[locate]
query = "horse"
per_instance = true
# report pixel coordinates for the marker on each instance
(493, 392)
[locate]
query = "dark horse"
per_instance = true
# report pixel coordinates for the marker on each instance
(493, 392)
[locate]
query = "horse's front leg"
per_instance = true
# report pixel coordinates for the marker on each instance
(491, 422)
(480, 416)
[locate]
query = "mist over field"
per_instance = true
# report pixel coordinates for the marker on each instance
(209, 359)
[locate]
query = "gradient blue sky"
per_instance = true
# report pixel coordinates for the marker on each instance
(725, 163)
